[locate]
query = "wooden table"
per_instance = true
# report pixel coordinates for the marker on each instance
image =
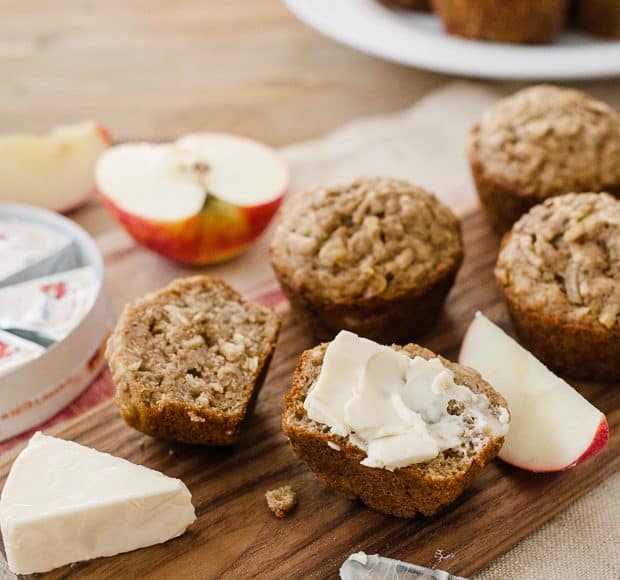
(155, 69)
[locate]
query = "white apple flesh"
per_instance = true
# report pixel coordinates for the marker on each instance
(552, 427)
(198, 200)
(53, 171)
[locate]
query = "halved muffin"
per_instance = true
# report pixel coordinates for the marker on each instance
(189, 360)
(559, 271)
(343, 459)
(541, 142)
(513, 21)
(376, 256)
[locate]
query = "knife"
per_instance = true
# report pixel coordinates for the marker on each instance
(362, 566)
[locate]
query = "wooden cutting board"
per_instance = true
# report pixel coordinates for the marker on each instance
(235, 535)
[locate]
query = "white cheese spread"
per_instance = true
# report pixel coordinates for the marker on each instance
(52, 305)
(23, 244)
(63, 502)
(15, 351)
(399, 410)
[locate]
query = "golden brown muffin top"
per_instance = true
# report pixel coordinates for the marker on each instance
(562, 258)
(547, 140)
(368, 239)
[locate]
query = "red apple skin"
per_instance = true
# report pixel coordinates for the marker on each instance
(601, 436)
(219, 232)
(105, 133)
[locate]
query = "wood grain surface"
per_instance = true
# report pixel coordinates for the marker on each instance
(236, 536)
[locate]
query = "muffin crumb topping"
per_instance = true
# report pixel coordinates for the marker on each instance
(547, 141)
(563, 257)
(371, 238)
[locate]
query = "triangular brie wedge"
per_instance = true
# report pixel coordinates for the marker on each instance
(63, 502)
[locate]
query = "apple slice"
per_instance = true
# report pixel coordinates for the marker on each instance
(201, 199)
(54, 171)
(552, 426)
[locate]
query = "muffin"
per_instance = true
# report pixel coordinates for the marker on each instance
(559, 271)
(418, 5)
(540, 142)
(513, 21)
(376, 256)
(600, 17)
(340, 461)
(189, 360)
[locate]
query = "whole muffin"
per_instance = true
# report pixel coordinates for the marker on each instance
(419, 5)
(540, 142)
(559, 271)
(377, 257)
(600, 17)
(513, 21)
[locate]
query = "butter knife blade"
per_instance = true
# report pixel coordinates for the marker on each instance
(362, 566)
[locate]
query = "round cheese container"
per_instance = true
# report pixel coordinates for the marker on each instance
(54, 317)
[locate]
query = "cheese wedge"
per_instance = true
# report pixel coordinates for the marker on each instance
(64, 502)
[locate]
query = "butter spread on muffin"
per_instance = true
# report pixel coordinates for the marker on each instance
(398, 427)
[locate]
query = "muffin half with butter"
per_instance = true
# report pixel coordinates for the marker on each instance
(375, 256)
(400, 428)
(559, 271)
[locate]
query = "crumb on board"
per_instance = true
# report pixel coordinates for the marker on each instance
(281, 500)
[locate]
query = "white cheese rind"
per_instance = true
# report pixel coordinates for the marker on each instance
(395, 407)
(65, 503)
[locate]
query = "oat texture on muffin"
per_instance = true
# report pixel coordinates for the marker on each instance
(543, 141)
(418, 488)
(188, 360)
(560, 268)
(354, 250)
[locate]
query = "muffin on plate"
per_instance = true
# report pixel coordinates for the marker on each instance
(376, 256)
(600, 17)
(189, 360)
(513, 21)
(540, 142)
(559, 271)
(419, 5)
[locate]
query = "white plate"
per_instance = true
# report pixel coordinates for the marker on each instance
(417, 40)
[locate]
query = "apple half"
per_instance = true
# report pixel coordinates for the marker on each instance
(552, 427)
(201, 199)
(54, 171)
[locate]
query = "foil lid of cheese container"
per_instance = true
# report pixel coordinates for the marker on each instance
(54, 317)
